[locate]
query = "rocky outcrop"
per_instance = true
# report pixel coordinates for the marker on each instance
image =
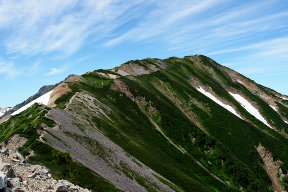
(18, 176)
(14, 143)
(3, 180)
(137, 67)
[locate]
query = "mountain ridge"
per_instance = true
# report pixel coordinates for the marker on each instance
(164, 124)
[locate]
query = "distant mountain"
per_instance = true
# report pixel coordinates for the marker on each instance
(4, 110)
(177, 124)
(33, 99)
(43, 90)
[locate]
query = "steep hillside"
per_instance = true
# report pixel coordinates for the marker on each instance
(178, 124)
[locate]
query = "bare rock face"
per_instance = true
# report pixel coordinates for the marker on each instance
(14, 182)
(7, 169)
(18, 176)
(3, 180)
(134, 69)
(15, 142)
(62, 188)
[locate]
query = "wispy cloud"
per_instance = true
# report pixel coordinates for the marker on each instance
(256, 29)
(53, 37)
(55, 71)
(8, 69)
(168, 15)
(51, 25)
(41, 27)
(273, 46)
(265, 57)
(210, 36)
(33, 69)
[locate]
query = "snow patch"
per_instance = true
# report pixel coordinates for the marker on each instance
(4, 110)
(250, 108)
(212, 97)
(44, 99)
(240, 82)
(273, 108)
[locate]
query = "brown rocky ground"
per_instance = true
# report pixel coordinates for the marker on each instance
(18, 176)
(271, 167)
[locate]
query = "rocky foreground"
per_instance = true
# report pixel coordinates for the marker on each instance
(18, 176)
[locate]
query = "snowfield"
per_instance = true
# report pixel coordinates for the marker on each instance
(4, 110)
(44, 99)
(209, 95)
(250, 108)
(273, 108)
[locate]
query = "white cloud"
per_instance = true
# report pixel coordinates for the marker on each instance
(274, 46)
(51, 25)
(168, 15)
(241, 12)
(8, 69)
(265, 57)
(228, 35)
(47, 26)
(213, 27)
(55, 71)
(11, 69)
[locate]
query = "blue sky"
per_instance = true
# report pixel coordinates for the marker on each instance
(42, 42)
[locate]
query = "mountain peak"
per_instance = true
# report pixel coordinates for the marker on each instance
(176, 124)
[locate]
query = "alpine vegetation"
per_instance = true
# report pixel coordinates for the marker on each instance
(176, 124)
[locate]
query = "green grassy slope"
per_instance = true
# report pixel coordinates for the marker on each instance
(28, 124)
(163, 121)
(227, 149)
